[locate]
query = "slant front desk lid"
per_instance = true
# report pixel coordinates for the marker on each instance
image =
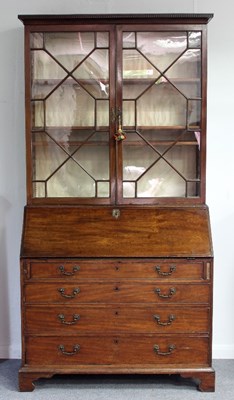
(116, 232)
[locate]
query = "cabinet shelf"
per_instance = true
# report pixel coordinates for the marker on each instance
(69, 81)
(126, 143)
(191, 128)
(130, 81)
(160, 82)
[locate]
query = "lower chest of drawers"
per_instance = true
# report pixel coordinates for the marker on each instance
(116, 316)
(116, 312)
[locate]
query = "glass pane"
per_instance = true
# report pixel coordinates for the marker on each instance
(95, 67)
(70, 105)
(137, 157)
(128, 114)
(36, 40)
(198, 139)
(102, 39)
(103, 189)
(194, 114)
(129, 39)
(162, 48)
(193, 189)
(47, 156)
(93, 74)
(38, 114)
(161, 181)
(161, 105)
(90, 154)
(96, 88)
(69, 48)
(129, 189)
(135, 66)
(184, 159)
(102, 113)
(194, 39)
(39, 189)
(46, 74)
(71, 181)
(185, 74)
(138, 74)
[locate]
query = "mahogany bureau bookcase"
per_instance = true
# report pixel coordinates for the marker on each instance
(116, 255)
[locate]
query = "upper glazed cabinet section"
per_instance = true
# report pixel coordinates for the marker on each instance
(116, 113)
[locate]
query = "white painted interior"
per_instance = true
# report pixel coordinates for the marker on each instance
(220, 166)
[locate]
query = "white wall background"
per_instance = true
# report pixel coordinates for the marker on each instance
(220, 160)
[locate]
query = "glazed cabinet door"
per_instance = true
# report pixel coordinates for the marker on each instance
(162, 109)
(116, 114)
(70, 96)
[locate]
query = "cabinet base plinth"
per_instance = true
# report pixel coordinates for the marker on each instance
(206, 380)
(28, 375)
(27, 379)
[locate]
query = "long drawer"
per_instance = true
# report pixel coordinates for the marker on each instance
(116, 292)
(158, 319)
(108, 269)
(144, 349)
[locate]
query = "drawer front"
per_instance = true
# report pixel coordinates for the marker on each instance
(116, 292)
(69, 320)
(146, 349)
(108, 269)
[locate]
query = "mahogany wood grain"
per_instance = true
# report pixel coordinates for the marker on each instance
(206, 379)
(27, 378)
(117, 269)
(116, 292)
(94, 232)
(66, 320)
(205, 376)
(113, 350)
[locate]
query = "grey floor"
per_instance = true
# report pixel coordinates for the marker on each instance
(116, 387)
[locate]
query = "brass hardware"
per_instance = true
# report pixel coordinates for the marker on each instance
(116, 213)
(171, 318)
(76, 349)
(61, 318)
(69, 296)
(171, 347)
(75, 269)
(171, 270)
(120, 134)
(165, 296)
